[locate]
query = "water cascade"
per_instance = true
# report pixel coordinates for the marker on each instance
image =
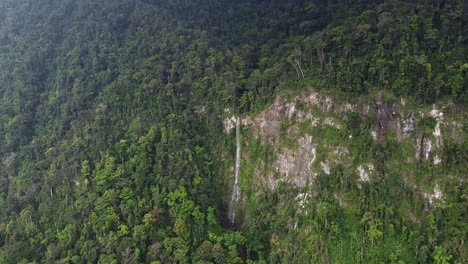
(235, 190)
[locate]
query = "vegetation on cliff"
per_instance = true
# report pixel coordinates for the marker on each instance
(113, 149)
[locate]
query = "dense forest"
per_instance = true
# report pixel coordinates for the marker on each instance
(114, 146)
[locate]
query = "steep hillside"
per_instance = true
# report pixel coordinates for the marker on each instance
(119, 142)
(353, 180)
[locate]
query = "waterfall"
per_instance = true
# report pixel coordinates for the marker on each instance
(235, 189)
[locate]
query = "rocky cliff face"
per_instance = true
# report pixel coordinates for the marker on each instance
(309, 134)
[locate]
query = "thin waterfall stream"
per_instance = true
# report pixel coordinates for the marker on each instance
(235, 190)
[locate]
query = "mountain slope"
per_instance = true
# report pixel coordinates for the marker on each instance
(115, 147)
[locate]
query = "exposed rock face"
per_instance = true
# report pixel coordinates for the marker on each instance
(424, 148)
(300, 155)
(435, 197)
(365, 171)
(296, 165)
(329, 122)
(439, 116)
(305, 143)
(427, 145)
(407, 125)
(302, 200)
(268, 122)
(325, 167)
(229, 123)
(386, 118)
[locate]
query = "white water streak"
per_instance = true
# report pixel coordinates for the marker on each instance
(235, 191)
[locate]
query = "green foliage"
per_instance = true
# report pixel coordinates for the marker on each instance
(112, 148)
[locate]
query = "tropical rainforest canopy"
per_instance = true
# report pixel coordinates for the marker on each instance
(113, 146)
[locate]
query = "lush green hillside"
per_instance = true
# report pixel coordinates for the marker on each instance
(116, 147)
